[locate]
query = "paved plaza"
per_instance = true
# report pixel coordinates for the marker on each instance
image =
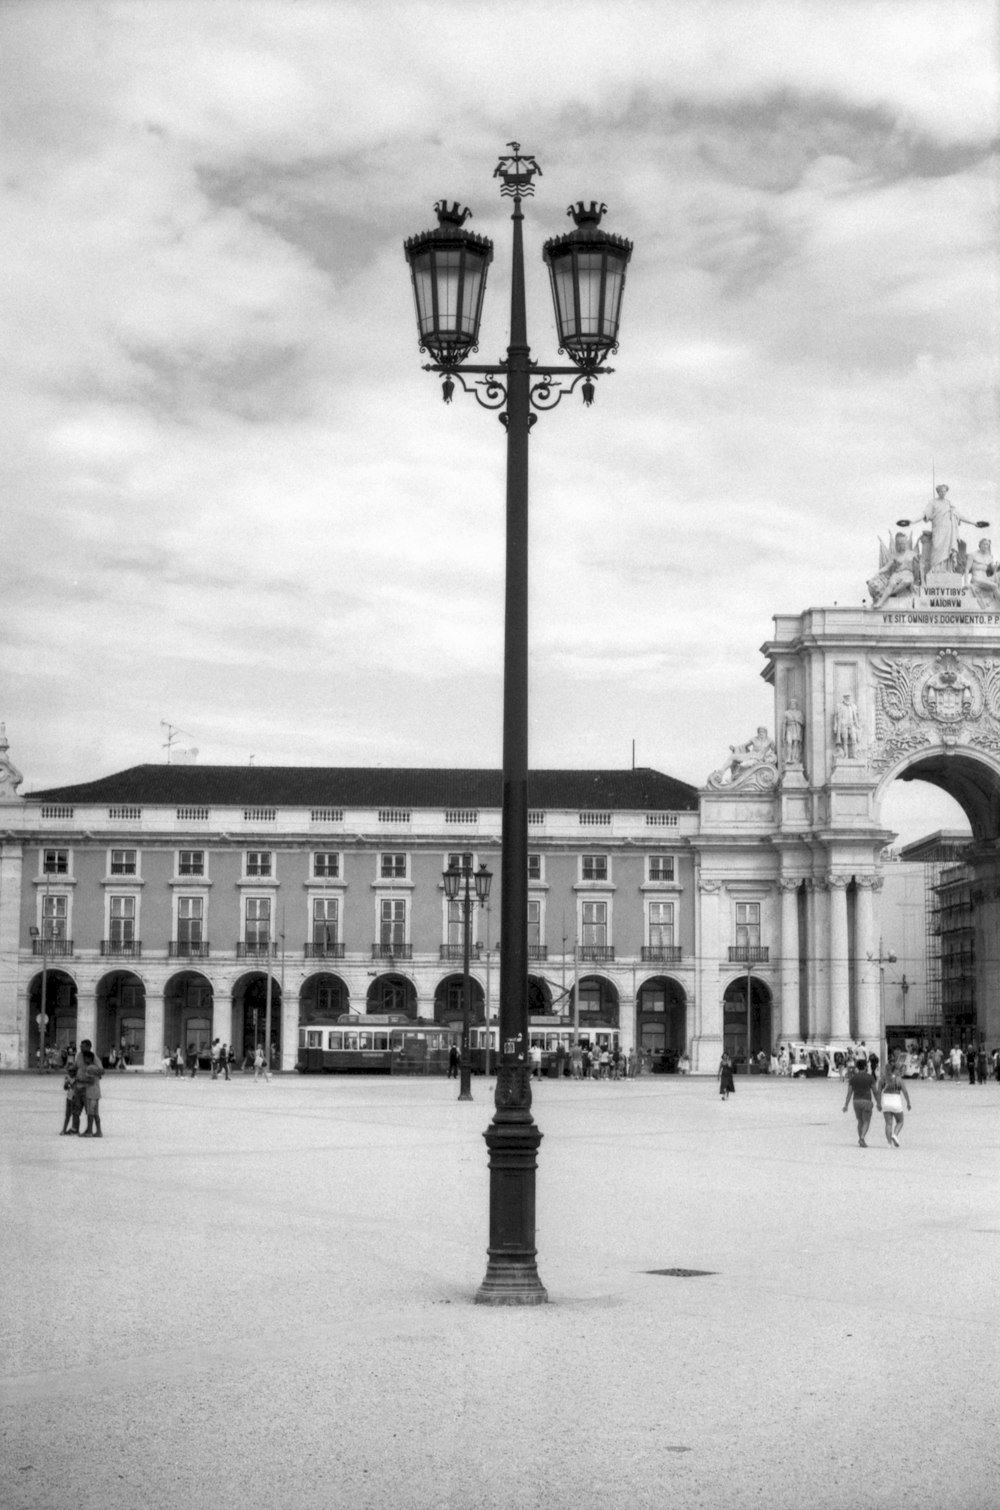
(261, 1296)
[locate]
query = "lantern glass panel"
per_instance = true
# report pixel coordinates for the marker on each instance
(590, 266)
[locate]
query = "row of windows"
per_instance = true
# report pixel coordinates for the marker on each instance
(260, 864)
(393, 921)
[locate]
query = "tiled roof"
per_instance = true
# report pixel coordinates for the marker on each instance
(373, 787)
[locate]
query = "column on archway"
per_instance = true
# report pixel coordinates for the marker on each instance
(153, 1052)
(706, 1043)
(840, 993)
(819, 960)
(789, 887)
(867, 983)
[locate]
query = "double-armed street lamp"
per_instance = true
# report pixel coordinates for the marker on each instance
(587, 272)
(457, 880)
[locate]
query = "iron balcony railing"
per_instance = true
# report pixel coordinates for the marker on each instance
(328, 950)
(58, 947)
(538, 951)
(661, 954)
(256, 951)
(597, 953)
(392, 951)
(122, 948)
(456, 951)
(188, 949)
(748, 954)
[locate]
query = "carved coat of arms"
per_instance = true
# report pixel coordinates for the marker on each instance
(946, 700)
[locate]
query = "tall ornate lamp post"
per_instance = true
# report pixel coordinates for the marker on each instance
(587, 270)
(456, 889)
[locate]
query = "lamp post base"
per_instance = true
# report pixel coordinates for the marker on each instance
(511, 1274)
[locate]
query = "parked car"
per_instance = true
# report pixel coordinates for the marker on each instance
(810, 1060)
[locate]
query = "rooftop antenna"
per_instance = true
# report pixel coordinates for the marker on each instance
(172, 732)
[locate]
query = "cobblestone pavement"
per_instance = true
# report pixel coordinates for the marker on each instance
(261, 1296)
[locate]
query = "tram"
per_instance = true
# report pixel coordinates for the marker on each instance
(386, 1044)
(547, 1039)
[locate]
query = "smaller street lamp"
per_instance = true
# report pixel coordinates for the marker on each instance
(456, 888)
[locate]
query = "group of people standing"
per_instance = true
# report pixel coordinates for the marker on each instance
(82, 1088)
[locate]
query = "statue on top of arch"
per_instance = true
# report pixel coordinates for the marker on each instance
(939, 566)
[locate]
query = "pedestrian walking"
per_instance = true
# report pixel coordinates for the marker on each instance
(192, 1060)
(862, 1086)
(727, 1085)
(260, 1064)
(216, 1051)
(454, 1059)
(893, 1093)
(225, 1055)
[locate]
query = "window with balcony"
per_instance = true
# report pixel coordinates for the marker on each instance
(259, 863)
(325, 927)
(661, 947)
(594, 868)
(534, 867)
(392, 926)
(121, 926)
(594, 931)
(326, 865)
(748, 925)
(191, 862)
(190, 940)
(257, 925)
(55, 862)
(661, 867)
(536, 948)
(124, 862)
(55, 920)
(392, 867)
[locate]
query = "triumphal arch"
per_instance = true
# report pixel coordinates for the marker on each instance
(906, 687)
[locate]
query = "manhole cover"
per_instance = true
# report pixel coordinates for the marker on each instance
(681, 1273)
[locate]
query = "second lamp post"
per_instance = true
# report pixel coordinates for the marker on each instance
(457, 889)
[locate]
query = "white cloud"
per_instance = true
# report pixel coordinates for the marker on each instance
(235, 498)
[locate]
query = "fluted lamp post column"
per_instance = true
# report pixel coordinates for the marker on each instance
(587, 271)
(456, 889)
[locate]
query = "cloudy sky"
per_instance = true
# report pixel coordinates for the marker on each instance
(235, 504)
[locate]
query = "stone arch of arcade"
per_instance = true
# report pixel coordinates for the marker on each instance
(661, 1027)
(323, 997)
(392, 992)
(448, 999)
(61, 1003)
(250, 1011)
(121, 1015)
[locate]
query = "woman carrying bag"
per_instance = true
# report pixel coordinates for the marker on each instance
(894, 1093)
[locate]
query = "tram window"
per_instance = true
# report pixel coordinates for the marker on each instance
(381, 1040)
(351, 1041)
(335, 1040)
(314, 1040)
(364, 1040)
(397, 1040)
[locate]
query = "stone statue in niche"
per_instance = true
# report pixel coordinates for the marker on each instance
(846, 728)
(793, 727)
(751, 767)
(10, 776)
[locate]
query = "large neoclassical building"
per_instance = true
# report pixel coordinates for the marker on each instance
(164, 905)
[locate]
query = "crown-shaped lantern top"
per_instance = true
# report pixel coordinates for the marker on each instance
(448, 267)
(587, 269)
